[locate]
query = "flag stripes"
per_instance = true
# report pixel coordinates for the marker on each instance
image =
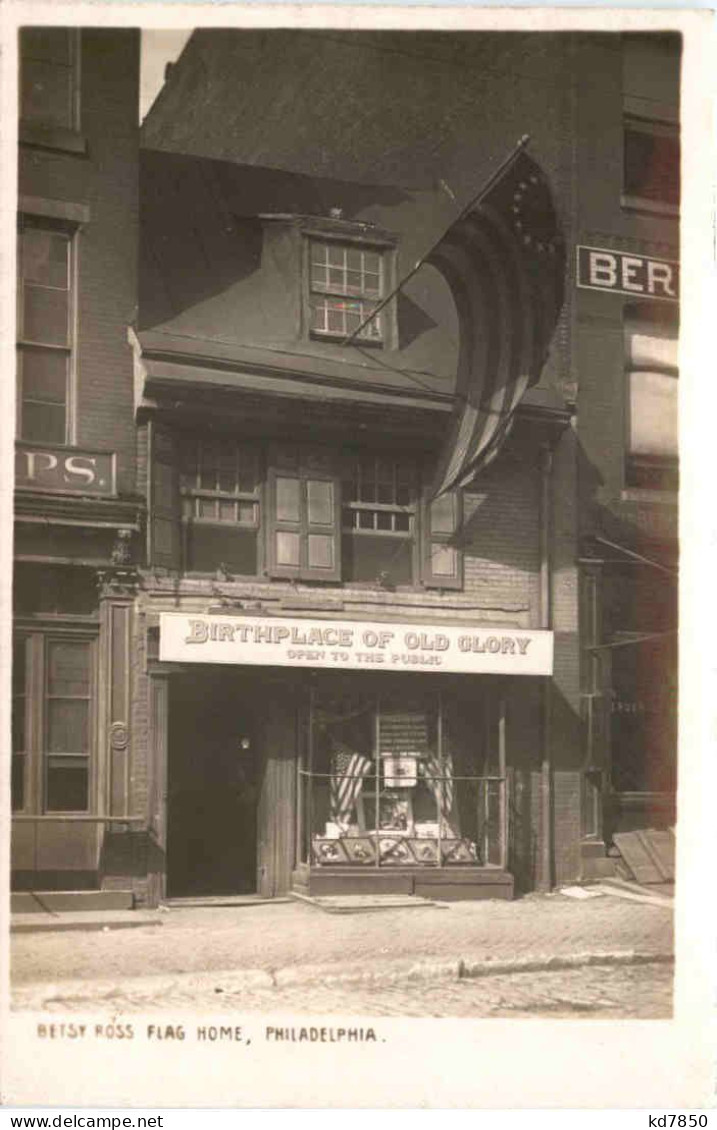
(348, 771)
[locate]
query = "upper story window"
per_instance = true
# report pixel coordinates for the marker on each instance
(380, 501)
(651, 106)
(48, 76)
(222, 503)
(220, 483)
(45, 333)
(346, 283)
(651, 341)
(651, 164)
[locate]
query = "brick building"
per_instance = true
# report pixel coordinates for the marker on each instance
(76, 510)
(392, 534)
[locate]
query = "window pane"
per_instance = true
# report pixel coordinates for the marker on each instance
(227, 469)
(651, 347)
(402, 524)
(18, 724)
(234, 547)
(207, 508)
(336, 320)
(319, 315)
(653, 414)
(43, 423)
(248, 471)
(652, 166)
(320, 498)
(67, 784)
(45, 258)
(321, 551)
(69, 669)
(208, 467)
(67, 726)
(443, 514)
(46, 93)
(374, 328)
(45, 315)
(384, 520)
(336, 278)
(19, 652)
(371, 262)
(49, 43)
(319, 275)
(18, 782)
(44, 375)
(370, 559)
(248, 513)
(368, 482)
(288, 500)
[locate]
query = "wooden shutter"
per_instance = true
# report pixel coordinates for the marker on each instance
(163, 527)
(304, 515)
(441, 521)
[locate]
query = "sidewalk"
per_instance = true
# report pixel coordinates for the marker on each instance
(272, 946)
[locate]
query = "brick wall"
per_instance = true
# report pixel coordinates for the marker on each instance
(501, 555)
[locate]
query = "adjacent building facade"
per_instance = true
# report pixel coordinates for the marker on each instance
(77, 515)
(385, 563)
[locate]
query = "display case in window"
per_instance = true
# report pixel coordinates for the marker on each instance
(399, 779)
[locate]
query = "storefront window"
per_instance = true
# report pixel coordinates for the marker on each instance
(53, 690)
(396, 778)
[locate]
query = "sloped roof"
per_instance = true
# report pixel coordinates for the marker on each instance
(372, 107)
(199, 221)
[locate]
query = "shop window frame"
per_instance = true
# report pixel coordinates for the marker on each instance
(37, 755)
(27, 344)
(493, 833)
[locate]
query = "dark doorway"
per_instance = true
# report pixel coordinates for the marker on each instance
(212, 785)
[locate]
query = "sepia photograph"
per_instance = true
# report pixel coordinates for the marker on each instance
(345, 529)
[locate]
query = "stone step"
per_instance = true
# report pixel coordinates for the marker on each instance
(56, 902)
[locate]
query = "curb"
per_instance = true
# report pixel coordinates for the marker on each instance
(105, 993)
(82, 920)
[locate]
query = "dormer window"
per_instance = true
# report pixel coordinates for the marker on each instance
(346, 283)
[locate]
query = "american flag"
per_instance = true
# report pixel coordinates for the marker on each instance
(348, 771)
(439, 777)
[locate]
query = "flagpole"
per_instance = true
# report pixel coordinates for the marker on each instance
(475, 200)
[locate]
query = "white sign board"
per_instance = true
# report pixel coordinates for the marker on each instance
(623, 272)
(353, 645)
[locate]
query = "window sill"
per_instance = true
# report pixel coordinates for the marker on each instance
(644, 494)
(52, 137)
(653, 207)
(339, 338)
(66, 210)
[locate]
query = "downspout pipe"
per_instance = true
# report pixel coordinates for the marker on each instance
(547, 870)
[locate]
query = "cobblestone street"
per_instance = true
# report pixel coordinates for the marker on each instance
(637, 991)
(404, 962)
